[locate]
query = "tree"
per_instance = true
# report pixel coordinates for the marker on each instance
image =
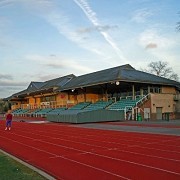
(161, 69)
(1, 106)
(4, 106)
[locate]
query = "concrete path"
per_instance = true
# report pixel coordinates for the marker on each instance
(159, 127)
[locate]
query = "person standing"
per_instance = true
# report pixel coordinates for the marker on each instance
(8, 120)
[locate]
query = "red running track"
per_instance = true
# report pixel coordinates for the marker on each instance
(69, 152)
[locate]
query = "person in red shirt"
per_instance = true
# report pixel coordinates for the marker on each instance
(8, 120)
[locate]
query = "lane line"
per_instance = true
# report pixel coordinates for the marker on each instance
(56, 156)
(131, 162)
(96, 146)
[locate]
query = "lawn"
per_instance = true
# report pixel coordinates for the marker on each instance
(11, 169)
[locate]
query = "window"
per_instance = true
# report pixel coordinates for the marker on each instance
(155, 89)
(48, 98)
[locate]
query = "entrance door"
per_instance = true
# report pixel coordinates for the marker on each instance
(159, 113)
(147, 113)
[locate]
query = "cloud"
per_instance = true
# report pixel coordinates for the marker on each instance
(44, 77)
(3, 42)
(91, 15)
(71, 65)
(165, 47)
(4, 3)
(6, 77)
(60, 66)
(61, 20)
(4, 25)
(57, 62)
(55, 65)
(3, 22)
(141, 15)
(11, 83)
(151, 46)
(151, 38)
(7, 91)
(97, 28)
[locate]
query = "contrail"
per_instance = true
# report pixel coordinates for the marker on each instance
(91, 15)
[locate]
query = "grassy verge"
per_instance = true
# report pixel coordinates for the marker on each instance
(11, 169)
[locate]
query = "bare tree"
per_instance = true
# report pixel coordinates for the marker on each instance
(161, 68)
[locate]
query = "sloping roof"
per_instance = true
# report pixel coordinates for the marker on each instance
(121, 73)
(124, 73)
(58, 82)
(143, 77)
(34, 86)
(40, 86)
(20, 93)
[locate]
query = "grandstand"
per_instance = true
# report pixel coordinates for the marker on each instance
(120, 89)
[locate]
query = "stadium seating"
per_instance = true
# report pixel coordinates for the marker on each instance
(98, 105)
(123, 104)
(33, 113)
(80, 106)
(20, 112)
(43, 112)
(56, 111)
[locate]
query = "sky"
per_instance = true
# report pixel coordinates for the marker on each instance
(45, 39)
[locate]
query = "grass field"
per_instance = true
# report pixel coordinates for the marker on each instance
(11, 169)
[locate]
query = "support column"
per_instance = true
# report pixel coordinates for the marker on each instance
(133, 91)
(106, 94)
(84, 91)
(141, 92)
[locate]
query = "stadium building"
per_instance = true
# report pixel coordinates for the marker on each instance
(119, 93)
